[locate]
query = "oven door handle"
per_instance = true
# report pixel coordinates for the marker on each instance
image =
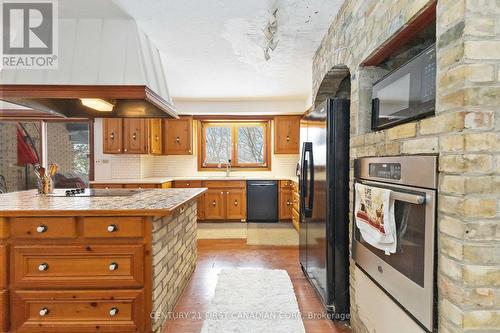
(407, 197)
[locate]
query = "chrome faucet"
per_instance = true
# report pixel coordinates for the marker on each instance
(228, 167)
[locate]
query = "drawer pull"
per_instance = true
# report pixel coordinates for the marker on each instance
(43, 312)
(214, 203)
(113, 312)
(188, 184)
(41, 228)
(236, 202)
(287, 138)
(43, 267)
(112, 228)
(113, 266)
(178, 140)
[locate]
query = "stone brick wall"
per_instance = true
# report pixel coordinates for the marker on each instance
(465, 133)
(174, 260)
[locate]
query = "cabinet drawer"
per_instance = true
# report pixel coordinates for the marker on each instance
(187, 183)
(140, 186)
(79, 311)
(44, 227)
(101, 266)
(286, 184)
(3, 266)
(106, 186)
(225, 184)
(4, 310)
(113, 227)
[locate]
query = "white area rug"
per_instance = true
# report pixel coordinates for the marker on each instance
(253, 301)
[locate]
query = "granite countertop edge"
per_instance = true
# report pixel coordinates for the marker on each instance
(155, 202)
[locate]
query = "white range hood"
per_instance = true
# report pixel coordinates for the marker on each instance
(103, 59)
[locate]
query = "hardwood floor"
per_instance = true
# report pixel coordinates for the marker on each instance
(214, 255)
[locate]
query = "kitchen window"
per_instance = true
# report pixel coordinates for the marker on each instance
(25, 143)
(245, 144)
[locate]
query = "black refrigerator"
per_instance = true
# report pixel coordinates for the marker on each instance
(324, 203)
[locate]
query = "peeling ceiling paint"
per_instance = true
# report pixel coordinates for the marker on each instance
(214, 48)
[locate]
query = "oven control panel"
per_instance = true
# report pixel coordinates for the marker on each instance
(385, 170)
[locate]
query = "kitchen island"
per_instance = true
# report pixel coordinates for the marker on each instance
(116, 261)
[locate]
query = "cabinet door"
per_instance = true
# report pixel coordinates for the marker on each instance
(135, 133)
(286, 204)
(286, 134)
(236, 204)
(200, 206)
(112, 135)
(155, 136)
(215, 204)
(178, 136)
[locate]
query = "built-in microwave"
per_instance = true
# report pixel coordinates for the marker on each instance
(407, 93)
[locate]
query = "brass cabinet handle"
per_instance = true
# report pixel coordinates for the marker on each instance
(227, 192)
(125, 150)
(113, 266)
(157, 138)
(236, 202)
(178, 140)
(113, 311)
(134, 136)
(43, 267)
(43, 312)
(214, 203)
(188, 184)
(287, 138)
(41, 228)
(119, 149)
(288, 203)
(112, 228)
(112, 136)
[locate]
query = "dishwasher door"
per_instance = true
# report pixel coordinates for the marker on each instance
(262, 201)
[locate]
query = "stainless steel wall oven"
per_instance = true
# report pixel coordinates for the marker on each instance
(407, 276)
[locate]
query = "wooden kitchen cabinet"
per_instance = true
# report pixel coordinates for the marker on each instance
(135, 136)
(214, 207)
(200, 205)
(155, 136)
(4, 311)
(3, 267)
(132, 136)
(178, 136)
(236, 208)
(286, 134)
(285, 204)
(112, 130)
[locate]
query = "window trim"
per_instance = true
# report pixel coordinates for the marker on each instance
(232, 123)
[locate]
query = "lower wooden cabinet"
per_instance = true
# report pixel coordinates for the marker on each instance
(236, 206)
(295, 219)
(201, 200)
(4, 311)
(79, 311)
(285, 204)
(3, 267)
(214, 205)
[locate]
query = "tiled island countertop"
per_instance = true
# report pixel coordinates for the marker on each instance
(141, 203)
(119, 262)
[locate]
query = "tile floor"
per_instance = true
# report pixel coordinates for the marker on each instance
(213, 255)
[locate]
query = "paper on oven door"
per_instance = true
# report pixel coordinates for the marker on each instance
(374, 215)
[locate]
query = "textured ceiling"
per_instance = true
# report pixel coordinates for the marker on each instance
(213, 48)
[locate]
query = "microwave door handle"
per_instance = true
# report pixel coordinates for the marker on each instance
(407, 197)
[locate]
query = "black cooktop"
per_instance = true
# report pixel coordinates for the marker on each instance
(87, 192)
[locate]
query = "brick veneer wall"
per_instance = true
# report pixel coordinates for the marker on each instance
(465, 133)
(174, 260)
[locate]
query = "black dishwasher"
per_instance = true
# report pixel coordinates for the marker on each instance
(262, 201)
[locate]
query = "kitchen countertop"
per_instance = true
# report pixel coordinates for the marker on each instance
(154, 202)
(159, 180)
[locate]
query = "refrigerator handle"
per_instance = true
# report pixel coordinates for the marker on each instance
(307, 164)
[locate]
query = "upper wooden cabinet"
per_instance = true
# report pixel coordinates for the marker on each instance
(178, 136)
(155, 136)
(286, 134)
(112, 129)
(132, 136)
